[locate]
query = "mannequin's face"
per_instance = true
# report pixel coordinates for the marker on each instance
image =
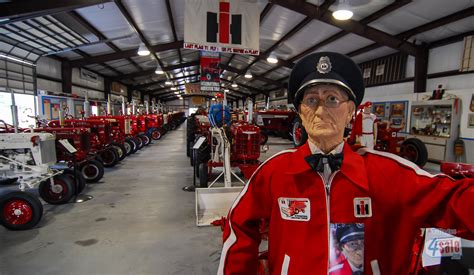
(321, 122)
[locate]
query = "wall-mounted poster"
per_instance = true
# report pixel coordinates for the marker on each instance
(470, 121)
(397, 109)
(379, 109)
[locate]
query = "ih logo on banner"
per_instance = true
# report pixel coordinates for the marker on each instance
(225, 24)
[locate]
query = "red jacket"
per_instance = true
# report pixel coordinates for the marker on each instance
(404, 198)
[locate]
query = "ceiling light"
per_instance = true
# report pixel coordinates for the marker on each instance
(226, 90)
(16, 59)
(180, 98)
(234, 85)
(158, 70)
(168, 82)
(342, 11)
(213, 99)
(176, 93)
(142, 50)
(222, 84)
(248, 74)
(173, 89)
(272, 59)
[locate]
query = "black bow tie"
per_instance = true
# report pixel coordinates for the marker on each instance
(317, 161)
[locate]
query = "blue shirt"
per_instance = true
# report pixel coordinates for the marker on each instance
(215, 115)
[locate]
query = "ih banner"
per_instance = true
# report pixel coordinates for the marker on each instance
(222, 26)
(192, 89)
(210, 72)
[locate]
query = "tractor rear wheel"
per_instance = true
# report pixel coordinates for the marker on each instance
(139, 142)
(203, 175)
(80, 181)
(299, 133)
(128, 147)
(133, 144)
(20, 210)
(415, 151)
(109, 156)
(92, 170)
(121, 150)
(60, 192)
(146, 139)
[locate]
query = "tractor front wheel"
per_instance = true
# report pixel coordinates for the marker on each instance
(121, 150)
(60, 192)
(109, 156)
(20, 210)
(155, 134)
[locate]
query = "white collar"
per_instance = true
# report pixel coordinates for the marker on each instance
(315, 150)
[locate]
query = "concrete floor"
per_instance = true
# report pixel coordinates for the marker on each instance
(139, 222)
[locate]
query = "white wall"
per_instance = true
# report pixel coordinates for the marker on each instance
(49, 67)
(76, 79)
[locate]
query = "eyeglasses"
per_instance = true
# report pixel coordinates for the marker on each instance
(355, 245)
(329, 102)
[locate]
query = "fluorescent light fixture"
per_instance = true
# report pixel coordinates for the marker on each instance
(226, 90)
(213, 99)
(158, 70)
(272, 58)
(4, 20)
(234, 85)
(180, 98)
(343, 11)
(16, 59)
(176, 93)
(248, 74)
(173, 89)
(167, 82)
(143, 50)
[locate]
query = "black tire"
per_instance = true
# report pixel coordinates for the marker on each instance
(133, 143)
(146, 139)
(189, 145)
(299, 133)
(121, 150)
(191, 157)
(173, 126)
(203, 175)
(415, 151)
(80, 181)
(92, 170)
(60, 193)
(128, 147)
(109, 157)
(29, 214)
(155, 134)
(263, 137)
(139, 142)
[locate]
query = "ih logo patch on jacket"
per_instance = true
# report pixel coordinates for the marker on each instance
(362, 207)
(295, 209)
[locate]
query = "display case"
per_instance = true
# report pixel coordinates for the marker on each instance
(435, 122)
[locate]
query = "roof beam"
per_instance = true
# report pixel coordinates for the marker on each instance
(124, 54)
(245, 86)
(167, 68)
(237, 71)
(76, 16)
(22, 10)
(143, 86)
(351, 26)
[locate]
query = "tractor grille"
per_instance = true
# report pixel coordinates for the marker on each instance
(247, 145)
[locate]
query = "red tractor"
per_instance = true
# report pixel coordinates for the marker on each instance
(276, 122)
(244, 140)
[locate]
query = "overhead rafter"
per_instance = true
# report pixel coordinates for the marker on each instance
(19, 10)
(289, 63)
(143, 86)
(238, 71)
(171, 19)
(420, 29)
(78, 18)
(173, 97)
(258, 91)
(154, 91)
(351, 26)
(124, 54)
(166, 69)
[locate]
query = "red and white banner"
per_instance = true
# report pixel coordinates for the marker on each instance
(222, 26)
(210, 71)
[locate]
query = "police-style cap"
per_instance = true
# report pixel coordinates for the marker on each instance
(349, 232)
(326, 68)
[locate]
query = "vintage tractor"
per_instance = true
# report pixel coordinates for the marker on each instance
(197, 125)
(121, 127)
(276, 122)
(25, 163)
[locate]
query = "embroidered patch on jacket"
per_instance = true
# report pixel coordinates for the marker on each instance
(295, 209)
(362, 207)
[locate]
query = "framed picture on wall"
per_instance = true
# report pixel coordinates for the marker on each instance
(379, 109)
(470, 121)
(397, 109)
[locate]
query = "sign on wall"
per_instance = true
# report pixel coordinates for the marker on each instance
(192, 89)
(210, 72)
(88, 75)
(222, 26)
